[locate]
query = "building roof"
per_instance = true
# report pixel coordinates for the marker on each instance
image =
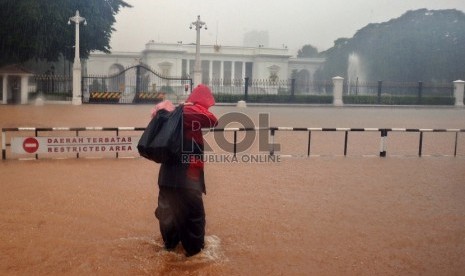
(15, 69)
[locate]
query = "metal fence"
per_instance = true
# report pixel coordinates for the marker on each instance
(298, 91)
(325, 87)
(385, 92)
(418, 89)
(51, 87)
(140, 84)
(137, 84)
(272, 91)
(270, 87)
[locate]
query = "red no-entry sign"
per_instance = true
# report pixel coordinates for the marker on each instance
(30, 145)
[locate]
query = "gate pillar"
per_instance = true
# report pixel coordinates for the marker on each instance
(337, 91)
(458, 92)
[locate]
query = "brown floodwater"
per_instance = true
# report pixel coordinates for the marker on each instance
(323, 215)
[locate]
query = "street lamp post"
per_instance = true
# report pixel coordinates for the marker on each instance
(77, 19)
(197, 68)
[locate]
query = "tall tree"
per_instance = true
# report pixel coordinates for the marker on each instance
(38, 29)
(421, 45)
(307, 51)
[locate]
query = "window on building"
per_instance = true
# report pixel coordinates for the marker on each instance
(227, 72)
(184, 68)
(238, 73)
(238, 70)
(248, 69)
(216, 74)
(206, 72)
(191, 67)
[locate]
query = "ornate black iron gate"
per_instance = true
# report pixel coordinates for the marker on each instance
(136, 84)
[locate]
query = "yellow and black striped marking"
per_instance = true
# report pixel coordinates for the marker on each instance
(151, 95)
(105, 95)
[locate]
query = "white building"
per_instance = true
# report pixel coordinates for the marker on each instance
(218, 62)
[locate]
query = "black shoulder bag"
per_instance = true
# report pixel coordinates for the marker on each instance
(161, 141)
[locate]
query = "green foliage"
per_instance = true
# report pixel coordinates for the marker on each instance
(38, 29)
(421, 45)
(398, 100)
(307, 51)
(347, 99)
(264, 98)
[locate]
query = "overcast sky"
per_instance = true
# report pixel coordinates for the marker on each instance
(293, 23)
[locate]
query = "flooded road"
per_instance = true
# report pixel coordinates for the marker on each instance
(327, 215)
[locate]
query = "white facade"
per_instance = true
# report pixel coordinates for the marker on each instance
(218, 62)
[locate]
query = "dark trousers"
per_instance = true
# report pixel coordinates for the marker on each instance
(181, 217)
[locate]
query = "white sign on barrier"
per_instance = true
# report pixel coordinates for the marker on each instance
(60, 145)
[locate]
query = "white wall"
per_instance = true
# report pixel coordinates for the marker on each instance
(156, 54)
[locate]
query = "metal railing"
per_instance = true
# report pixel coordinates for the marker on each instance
(51, 87)
(136, 84)
(142, 85)
(74, 147)
(386, 92)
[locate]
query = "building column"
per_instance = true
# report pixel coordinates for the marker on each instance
(222, 72)
(210, 73)
(77, 84)
(459, 86)
(5, 91)
(233, 71)
(337, 91)
(243, 70)
(24, 88)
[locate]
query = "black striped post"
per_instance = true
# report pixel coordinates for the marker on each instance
(3, 144)
(345, 142)
(272, 131)
(420, 146)
(77, 135)
(117, 134)
(309, 140)
(235, 143)
(382, 150)
(37, 135)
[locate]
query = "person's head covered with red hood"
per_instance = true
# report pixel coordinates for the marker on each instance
(202, 95)
(196, 113)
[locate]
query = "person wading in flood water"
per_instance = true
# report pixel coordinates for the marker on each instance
(180, 208)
